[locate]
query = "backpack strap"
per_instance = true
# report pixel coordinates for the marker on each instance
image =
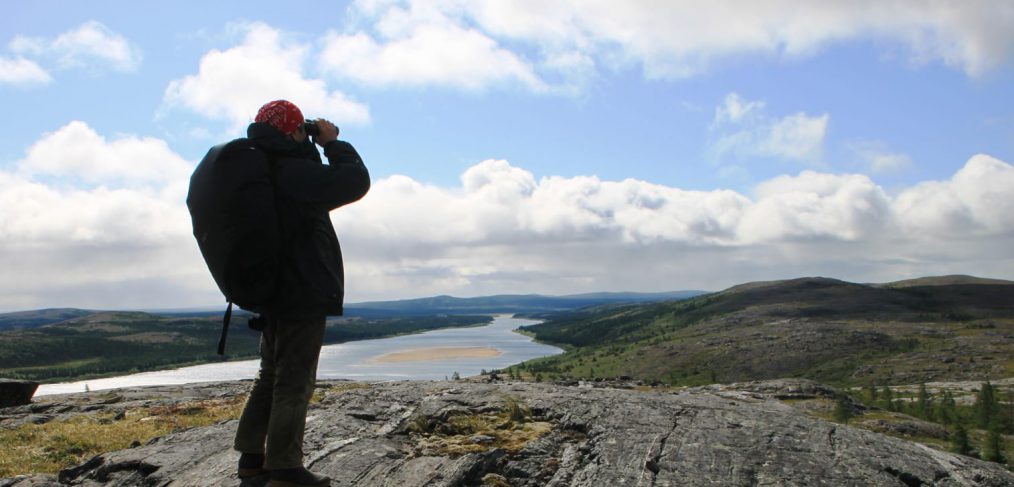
(225, 329)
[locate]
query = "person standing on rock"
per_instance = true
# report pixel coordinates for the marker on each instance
(311, 287)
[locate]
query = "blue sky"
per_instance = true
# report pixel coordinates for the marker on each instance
(515, 147)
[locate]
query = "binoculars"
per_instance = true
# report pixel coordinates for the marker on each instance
(311, 128)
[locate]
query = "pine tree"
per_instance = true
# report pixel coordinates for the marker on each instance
(923, 405)
(871, 394)
(986, 406)
(887, 399)
(842, 409)
(1007, 423)
(959, 440)
(992, 451)
(946, 410)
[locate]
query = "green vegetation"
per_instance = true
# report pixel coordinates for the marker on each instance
(981, 429)
(831, 331)
(842, 409)
(113, 343)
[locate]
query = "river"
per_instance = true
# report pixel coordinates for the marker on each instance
(432, 355)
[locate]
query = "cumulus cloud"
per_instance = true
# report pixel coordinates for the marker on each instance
(975, 202)
(89, 221)
(22, 72)
(446, 55)
(577, 234)
(816, 205)
(76, 152)
(89, 45)
(96, 222)
(232, 84)
(743, 129)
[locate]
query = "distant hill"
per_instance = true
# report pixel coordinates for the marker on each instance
(820, 328)
(944, 281)
(436, 305)
(31, 319)
(508, 303)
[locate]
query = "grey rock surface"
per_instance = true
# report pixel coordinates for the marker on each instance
(407, 434)
(16, 392)
(62, 406)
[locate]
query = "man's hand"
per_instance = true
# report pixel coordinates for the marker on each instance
(328, 132)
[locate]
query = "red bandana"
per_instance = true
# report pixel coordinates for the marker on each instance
(282, 115)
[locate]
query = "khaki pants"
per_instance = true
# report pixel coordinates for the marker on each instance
(274, 417)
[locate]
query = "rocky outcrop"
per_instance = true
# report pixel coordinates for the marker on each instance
(526, 434)
(16, 392)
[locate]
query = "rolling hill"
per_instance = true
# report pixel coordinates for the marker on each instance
(953, 328)
(31, 319)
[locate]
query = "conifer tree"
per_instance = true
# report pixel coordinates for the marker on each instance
(986, 406)
(887, 399)
(992, 451)
(946, 410)
(842, 409)
(924, 406)
(871, 394)
(959, 440)
(1007, 423)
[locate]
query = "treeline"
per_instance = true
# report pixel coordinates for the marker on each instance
(367, 329)
(987, 417)
(66, 352)
(624, 324)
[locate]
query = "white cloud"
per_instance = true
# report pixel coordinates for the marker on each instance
(85, 46)
(427, 55)
(816, 205)
(679, 39)
(232, 84)
(878, 158)
(93, 222)
(976, 201)
(505, 231)
(532, 41)
(76, 152)
(87, 221)
(22, 72)
(743, 129)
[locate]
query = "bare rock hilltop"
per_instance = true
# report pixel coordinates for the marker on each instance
(472, 433)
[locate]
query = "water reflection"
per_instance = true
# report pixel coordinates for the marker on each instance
(357, 360)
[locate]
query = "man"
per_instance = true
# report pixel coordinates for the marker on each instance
(311, 287)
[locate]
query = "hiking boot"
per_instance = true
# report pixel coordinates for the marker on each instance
(250, 465)
(298, 477)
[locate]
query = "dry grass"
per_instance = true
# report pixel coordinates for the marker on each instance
(59, 444)
(56, 445)
(324, 392)
(509, 429)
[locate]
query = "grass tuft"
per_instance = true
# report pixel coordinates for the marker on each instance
(509, 429)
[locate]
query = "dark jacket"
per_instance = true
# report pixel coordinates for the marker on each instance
(311, 281)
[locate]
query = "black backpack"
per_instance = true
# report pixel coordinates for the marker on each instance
(232, 207)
